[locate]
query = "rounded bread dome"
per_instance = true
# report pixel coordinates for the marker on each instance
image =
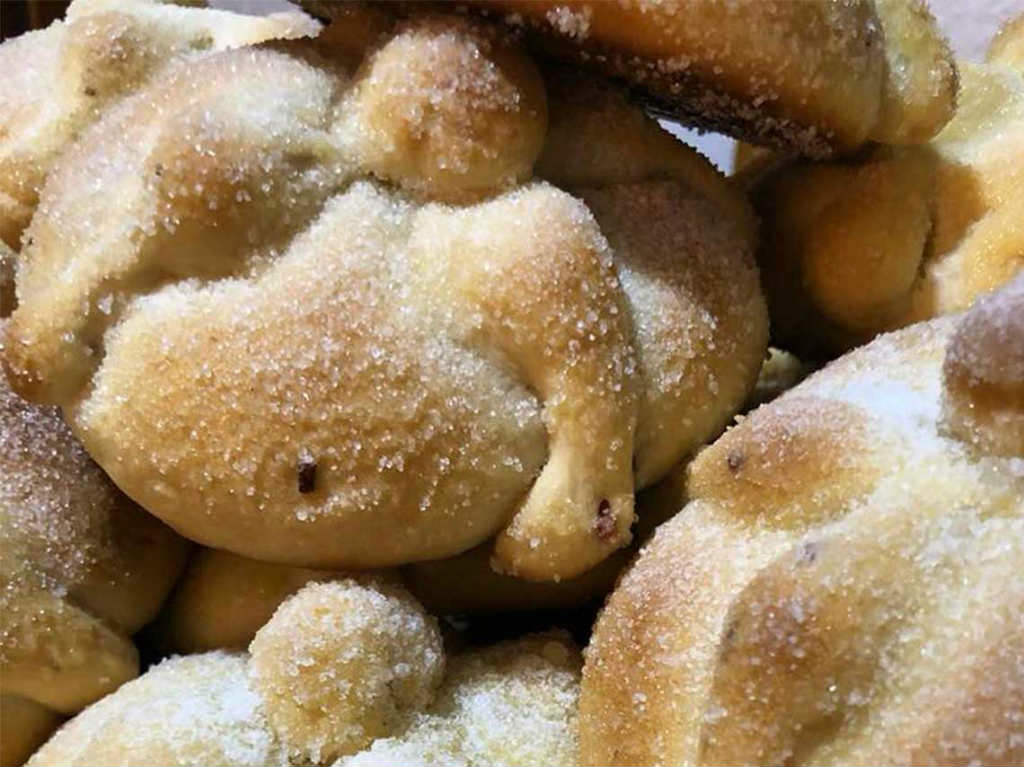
(282, 355)
(844, 584)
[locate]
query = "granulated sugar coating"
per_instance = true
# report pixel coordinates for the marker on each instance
(289, 343)
(510, 704)
(346, 668)
(451, 137)
(341, 664)
(192, 711)
(81, 569)
(840, 267)
(844, 586)
(815, 76)
(984, 374)
(59, 80)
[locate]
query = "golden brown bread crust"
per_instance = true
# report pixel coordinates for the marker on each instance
(839, 267)
(281, 356)
(844, 580)
(817, 77)
(82, 568)
(59, 80)
(7, 269)
(26, 725)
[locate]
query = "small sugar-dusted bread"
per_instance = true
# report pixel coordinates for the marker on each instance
(344, 672)
(57, 81)
(844, 586)
(82, 568)
(817, 76)
(898, 235)
(339, 321)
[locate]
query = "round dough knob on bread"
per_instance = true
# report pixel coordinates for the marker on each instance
(341, 664)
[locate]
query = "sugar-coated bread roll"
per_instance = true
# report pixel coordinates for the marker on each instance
(898, 235)
(341, 664)
(82, 568)
(817, 76)
(343, 669)
(282, 356)
(188, 711)
(844, 586)
(58, 80)
(984, 374)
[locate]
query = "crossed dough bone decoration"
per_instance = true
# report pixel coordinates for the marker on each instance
(844, 585)
(279, 353)
(59, 80)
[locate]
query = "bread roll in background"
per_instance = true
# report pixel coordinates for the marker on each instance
(222, 600)
(898, 235)
(851, 552)
(82, 568)
(969, 27)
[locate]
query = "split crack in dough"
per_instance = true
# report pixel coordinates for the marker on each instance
(59, 80)
(316, 336)
(839, 267)
(844, 585)
(814, 76)
(349, 673)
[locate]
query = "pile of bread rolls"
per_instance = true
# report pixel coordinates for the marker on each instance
(384, 385)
